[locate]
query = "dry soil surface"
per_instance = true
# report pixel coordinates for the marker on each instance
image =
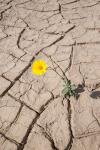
(33, 113)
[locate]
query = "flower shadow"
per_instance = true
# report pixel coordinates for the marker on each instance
(79, 90)
(95, 94)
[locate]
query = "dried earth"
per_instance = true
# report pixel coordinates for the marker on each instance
(33, 113)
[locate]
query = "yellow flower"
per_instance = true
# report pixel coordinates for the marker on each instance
(39, 67)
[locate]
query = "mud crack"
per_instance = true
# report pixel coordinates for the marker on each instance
(69, 146)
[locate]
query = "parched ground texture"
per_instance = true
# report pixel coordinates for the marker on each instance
(33, 113)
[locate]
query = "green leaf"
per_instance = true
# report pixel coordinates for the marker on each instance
(69, 89)
(73, 87)
(65, 91)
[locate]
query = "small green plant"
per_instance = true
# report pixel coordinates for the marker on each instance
(69, 89)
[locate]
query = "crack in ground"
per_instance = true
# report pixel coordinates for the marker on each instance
(43, 108)
(71, 2)
(91, 5)
(49, 138)
(17, 78)
(64, 77)
(69, 104)
(95, 118)
(53, 61)
(87, 43)
(9, 2)
(69, 146)
(1, 17)
(19, 38)
(15, 119)
(23, 103)
(60, 9)
(24, 140)
(9, 139)
(5, 78)
(29, 64)
(70, 58)
(96, 87)
(87, 135)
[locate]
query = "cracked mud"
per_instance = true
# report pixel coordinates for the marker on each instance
(33, 113)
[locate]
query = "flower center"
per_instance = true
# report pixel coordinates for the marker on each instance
(40, 67)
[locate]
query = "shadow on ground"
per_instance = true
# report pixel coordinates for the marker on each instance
(79, 90)
(95, 94)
